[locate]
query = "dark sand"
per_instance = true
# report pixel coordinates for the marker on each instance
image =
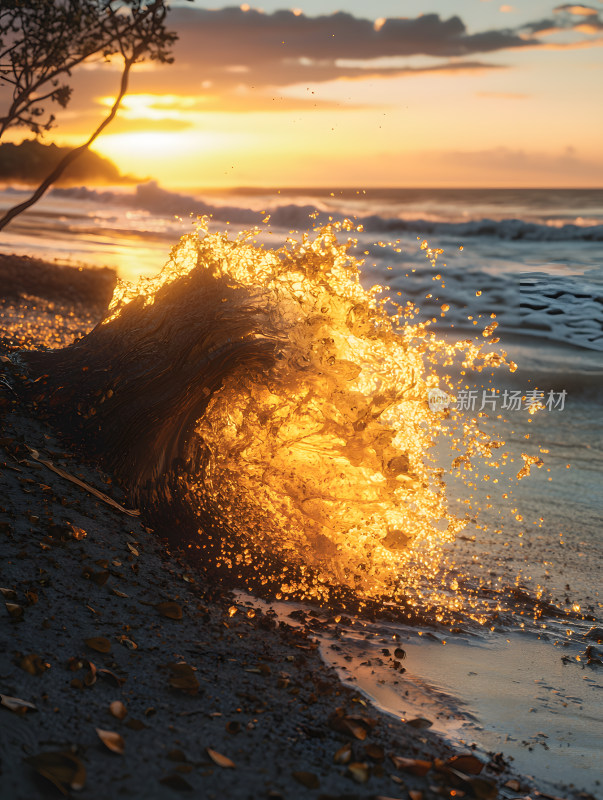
(248, 688)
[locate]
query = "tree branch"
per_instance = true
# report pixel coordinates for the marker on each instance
(73, 154)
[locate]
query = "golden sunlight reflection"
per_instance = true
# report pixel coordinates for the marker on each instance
(326, 460)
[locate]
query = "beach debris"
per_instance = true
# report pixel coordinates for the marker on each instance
(16, 705)
(482, 788)
(9, 594)
(359, 771)
(595, 633)
(233, 727)
(118, 709)
(110, 676)
(99, 643)
(219, 759)
(33, 664)
(415, 794)
(593, 656)
(119, 594)
(177, 782)
(375, 752)
(415, 766)
(307, 779)
(99, 495)
(62, 768)
(169, 609)
(77, 533)
(183, 677)
(132, 549)
(112, 741)
(420, 723)
(356, 725)
(343, 755)
(15, 611)
(76, 664)
(467, 763)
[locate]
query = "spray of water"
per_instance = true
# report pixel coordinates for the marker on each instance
(326, 460)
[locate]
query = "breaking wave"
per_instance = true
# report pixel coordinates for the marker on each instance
(286, 407)
(156, 200)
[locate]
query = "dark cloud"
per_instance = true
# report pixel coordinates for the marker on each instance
(283, 47)
(235, 60)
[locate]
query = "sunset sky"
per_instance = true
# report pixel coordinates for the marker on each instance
(348, 93)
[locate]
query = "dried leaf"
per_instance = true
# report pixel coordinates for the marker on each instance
(466, 763)
(62, 769)
(119, 594)
(359, 771)
(15, 611)
(9, 594)
(183, 677)
(111, 677)
(175, 781)
(169, 609)
(219, 759)
(343, 755)
(33, 664)
(16, 705)
(132, 549)
(413, 765)
(307, 779)
(414, 794)
(99, 643)
(90, 676)
(375, 752)
(356, 726)
(118, 709)
(112, 741)
(233, 727)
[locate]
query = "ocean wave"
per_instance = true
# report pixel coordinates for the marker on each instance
(153, 198)
(562, 309)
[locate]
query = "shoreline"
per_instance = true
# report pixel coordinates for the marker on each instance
(99, 610)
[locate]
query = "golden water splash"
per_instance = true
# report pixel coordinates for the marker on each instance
(326, 460)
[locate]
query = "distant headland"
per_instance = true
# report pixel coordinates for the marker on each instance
(30, 162)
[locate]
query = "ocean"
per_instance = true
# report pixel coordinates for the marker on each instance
(534, 259)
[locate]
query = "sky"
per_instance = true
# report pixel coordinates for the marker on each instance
(345, 93)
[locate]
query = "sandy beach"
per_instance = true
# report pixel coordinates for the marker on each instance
(125, 672)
